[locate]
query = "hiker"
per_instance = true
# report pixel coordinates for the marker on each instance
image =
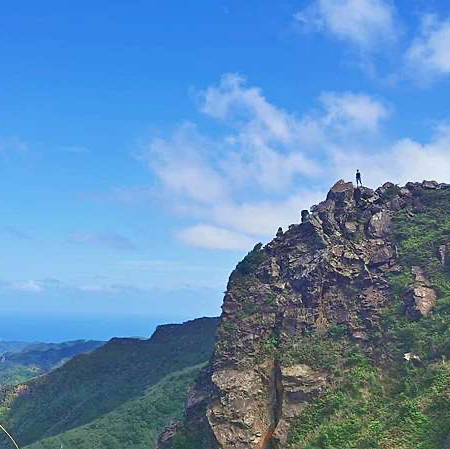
(358, 179)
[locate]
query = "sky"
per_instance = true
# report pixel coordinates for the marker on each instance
(146, 146)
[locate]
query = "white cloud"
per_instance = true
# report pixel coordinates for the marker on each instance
(262, 218)
(429, 54)
(257, 176)
(213, 237)
(183, 165)
(364, 23)
(353, 111)
(401, 161)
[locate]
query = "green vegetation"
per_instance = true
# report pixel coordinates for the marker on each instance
(251, 261)
(402, 405)
(418, 238)
(318, 352)
(119, 374)
(370, 411)
(38, 358)
(13, 374)
(12, 346)
(134, 425)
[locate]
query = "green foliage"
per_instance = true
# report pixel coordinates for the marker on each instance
(134, 425)
(390, 193)
(251, 261)
(39, 358)
(338, 331)
(418, 237)
(408, 410)
(401, 406)
(269, 346)
(92, 385)
(316, 351)
(191, 438)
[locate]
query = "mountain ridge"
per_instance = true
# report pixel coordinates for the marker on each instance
(93, 385)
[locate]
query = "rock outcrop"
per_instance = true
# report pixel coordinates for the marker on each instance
(328, 274)
(421, 298)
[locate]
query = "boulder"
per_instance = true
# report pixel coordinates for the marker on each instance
(430, 185)
(342, 193)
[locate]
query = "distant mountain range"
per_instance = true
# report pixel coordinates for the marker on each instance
(21, 361)
(13, 346)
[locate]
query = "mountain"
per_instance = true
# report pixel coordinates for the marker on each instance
(13, 346)
(38, 358)
(119, 395)
(136, 423)
(336, 334)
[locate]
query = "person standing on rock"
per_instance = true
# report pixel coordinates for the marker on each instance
(358, 178)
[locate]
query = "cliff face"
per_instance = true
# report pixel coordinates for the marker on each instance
(308, 314)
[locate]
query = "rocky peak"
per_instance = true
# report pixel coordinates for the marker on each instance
(328, 274)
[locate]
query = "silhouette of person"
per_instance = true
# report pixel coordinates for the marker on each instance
(358, 179)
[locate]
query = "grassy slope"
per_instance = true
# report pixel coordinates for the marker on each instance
(92, 385)
(398, 406)
(134, 425)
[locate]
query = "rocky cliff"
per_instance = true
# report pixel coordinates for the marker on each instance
(340, 321)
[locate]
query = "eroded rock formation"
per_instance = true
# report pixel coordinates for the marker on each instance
(329, 272)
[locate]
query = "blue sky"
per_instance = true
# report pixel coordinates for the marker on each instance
(145, 146)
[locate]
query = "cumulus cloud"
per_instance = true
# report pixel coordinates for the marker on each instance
(401, 161)
(268, 164)
(213, 237)
(429, 54)
(352, 111)
(109, 240)
(364, 23)
(183, 165)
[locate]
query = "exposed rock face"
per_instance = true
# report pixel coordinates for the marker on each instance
(421, 298)
(299, 385)
(330, 270)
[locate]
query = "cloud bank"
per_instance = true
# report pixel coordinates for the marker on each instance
(268, 164)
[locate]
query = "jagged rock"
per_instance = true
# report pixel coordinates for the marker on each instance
(421, 298)
(413, 186)
(382, 253)
(239, 418)
(304, 216)
(379, 224)
(329, 271)
(299, 385)
(342, 193)
(386, 187)
(430, 185)
(350, 227)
